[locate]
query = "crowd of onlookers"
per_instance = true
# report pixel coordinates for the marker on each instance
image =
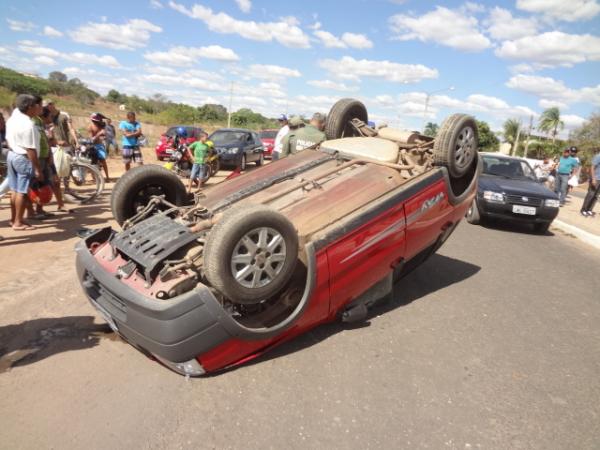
(30, 137)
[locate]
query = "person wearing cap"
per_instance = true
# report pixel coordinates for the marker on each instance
(574, 180)
(594, 186)
(566, 166)
(63, 127)
(303, 136)
(97, 131)
(285, 129)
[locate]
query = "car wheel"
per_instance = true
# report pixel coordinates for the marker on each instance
(473, 215)
(260, 161)
(251, 253)
(541, 228)
(160, 158)
(337, 124)
(456, 144)
(243, 163)
(135, 188)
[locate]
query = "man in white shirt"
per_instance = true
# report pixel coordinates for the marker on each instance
(22, 161)
(285, 129)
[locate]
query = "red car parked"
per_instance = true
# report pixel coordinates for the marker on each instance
(211, 282)
(164, 146)
(268, 139)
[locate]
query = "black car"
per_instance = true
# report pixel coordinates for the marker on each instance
(237, 147)
(509, 189)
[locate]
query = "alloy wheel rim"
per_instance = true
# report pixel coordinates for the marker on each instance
(465, 148)
(258, 257)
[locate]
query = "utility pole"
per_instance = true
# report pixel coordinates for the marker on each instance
(427, 97)
(528, 135)
(229, 109)
(516, 143)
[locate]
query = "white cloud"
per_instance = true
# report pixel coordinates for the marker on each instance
(33, 48)
(570, 11)
(45, 60)
(16, 25)
(156, 4)
(332, 85)
(554, 92)
(286, 31)
(183, 79)
(544, 103)
(271, 72)
(329, 40)
(135, 33)
(187, 56)
(52, 32)
(445, 26)
(572, 121)
(352, 69)
(552, 49)
(502, 25)
(244, 5)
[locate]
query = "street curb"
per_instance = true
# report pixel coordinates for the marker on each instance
(585, 236)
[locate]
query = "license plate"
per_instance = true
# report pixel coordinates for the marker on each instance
(527, 210)
(169, 152)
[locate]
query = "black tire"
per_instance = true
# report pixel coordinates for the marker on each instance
(456, 144)
(136, 186)
(160, 158)
(260, 161)
(214, 167)
(225, 241)
(473, 215)
(341, 113)
(243, 162)
(541, 228)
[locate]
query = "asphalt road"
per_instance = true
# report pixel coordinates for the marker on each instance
(493, 343)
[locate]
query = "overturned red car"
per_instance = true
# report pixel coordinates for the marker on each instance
(210, 282)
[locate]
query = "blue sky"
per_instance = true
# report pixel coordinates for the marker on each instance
(501, 59)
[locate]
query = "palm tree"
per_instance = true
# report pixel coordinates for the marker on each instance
(431, 129)
(550, 122)
(512, 130)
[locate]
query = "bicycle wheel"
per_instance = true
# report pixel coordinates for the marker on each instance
(84, 182)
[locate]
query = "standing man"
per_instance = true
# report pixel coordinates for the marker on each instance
(132, 130)
(64, 132)
(283, 123)
(302, 137)
(197, 153)
(22, 161)
(110, 139)
(566, 166)
(97, 132)
(594, 186)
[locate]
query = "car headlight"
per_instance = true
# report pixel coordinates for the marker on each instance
(551, 203)
(233, 150)
(497, 197)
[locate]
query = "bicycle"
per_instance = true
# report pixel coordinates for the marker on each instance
(84, 182)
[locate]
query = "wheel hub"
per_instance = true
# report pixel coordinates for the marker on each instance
(258, 257)
(465, 147)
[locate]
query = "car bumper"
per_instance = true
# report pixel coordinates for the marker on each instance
(543, 214)
(229, 159)
(175, 331)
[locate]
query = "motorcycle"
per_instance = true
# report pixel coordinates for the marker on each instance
(212, 161)
(179, 161)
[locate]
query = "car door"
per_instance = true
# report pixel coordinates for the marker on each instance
(259, 147)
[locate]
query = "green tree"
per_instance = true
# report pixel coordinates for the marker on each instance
(550, 122)
(488, 141)
(431, 129)
(57, 76)
(510, 130)
(114, 96)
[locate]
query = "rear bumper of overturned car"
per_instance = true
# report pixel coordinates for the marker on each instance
(174, 331)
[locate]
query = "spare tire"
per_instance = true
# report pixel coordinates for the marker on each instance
(251, 253)
(341, 113)
(135, 188)
(456, 144)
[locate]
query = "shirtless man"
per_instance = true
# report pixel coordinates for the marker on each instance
(97, 132)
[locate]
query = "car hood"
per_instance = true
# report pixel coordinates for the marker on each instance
(514, 187)
(228, 145)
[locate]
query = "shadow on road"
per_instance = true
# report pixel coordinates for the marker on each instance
(33, 340)
(512, 227)
(436, 273)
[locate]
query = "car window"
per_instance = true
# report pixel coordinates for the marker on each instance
(227, 137)
(268, 134)
(507, 167)
(171, 131)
